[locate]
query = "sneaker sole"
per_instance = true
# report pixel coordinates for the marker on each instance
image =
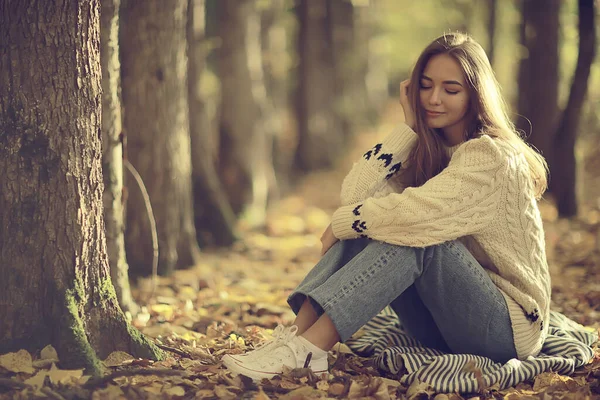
(232, 364)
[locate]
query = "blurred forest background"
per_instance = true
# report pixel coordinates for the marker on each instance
(199, 116)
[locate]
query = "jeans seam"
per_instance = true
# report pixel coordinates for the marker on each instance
(344, 290)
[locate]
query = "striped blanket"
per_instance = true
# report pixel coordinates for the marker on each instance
(567, 347)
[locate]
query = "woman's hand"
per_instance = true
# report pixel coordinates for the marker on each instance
(328, 240)
(409, 115)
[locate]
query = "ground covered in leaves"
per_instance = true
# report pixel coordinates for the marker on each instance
(235, 297)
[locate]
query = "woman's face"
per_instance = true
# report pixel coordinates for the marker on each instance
(444, 96)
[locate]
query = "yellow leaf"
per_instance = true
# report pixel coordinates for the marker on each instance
(37, 381)
(175, 391)
(117, 358)
(417, 388)
(204, 394)
(111, 392)
(304, 392)
(49, 353)
(323, 385)
(165, 310)
(20, 361)
(222, 393)
(154, 388)
(64, 376)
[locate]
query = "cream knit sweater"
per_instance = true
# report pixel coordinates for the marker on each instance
(483, 198)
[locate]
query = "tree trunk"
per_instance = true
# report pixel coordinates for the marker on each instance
(492, 8)
(112, 153)
(376, 78)
(276, 65)
(55, 284)
(156, 120)
(215, 220)
(340, 15)
(245, 151)
(538, 73)
(320, 135)
(563, 167)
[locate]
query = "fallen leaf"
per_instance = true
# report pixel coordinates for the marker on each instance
(418, 388)
(222, 393)
(37, 381)
(64, 376)
(205, 394)
(551, 381)
(111, 392)
(323, 385)
(174, 391)
(336, 389)
(304, 392)
(117, 359)
(261, 395)
(20, 361)
(49, 353)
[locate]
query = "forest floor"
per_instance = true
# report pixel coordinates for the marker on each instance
(235, 297)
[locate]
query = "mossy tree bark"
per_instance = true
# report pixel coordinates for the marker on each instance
(245, 150)
(55, 284)
(112, 153)
(215, 220)
(156, 124)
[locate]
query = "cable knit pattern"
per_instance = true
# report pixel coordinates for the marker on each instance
(370, 174)
(483, 195)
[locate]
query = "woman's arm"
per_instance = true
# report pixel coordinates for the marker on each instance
(461, 200)
(378, 165)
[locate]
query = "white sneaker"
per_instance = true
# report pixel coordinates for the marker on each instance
(281, 335)
(269, 363)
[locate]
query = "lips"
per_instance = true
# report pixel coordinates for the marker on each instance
(433, 113)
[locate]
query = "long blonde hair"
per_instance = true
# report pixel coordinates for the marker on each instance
(487, 109)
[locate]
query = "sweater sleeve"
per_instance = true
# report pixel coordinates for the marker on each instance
(462, 200)
(378, 165)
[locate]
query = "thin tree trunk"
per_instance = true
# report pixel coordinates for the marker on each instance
(245, 153)
(112, 153)
(55, 284)
(213, 214)
(320, 136)
(491, 28)
(156, 121)
(276, 66)
(564, 164)
(376, 78)
(538, 73)
(340, 15)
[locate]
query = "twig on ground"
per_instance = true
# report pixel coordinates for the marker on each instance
(11, 383)
(51, 393)
(174, 350)
(275, 389)
(132, 372)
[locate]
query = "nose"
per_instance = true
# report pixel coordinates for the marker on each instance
(435, 99)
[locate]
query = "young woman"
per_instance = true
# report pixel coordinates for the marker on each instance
(439, 220)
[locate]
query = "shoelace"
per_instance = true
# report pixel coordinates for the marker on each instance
(275, 358)
(281, 335)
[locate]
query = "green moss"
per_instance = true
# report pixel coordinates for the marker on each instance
(73, 346)
(106, 292)
(141, 346)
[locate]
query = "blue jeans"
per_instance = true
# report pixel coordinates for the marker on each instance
(442, 295)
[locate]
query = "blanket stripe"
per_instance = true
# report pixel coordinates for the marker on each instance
(567, 347)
